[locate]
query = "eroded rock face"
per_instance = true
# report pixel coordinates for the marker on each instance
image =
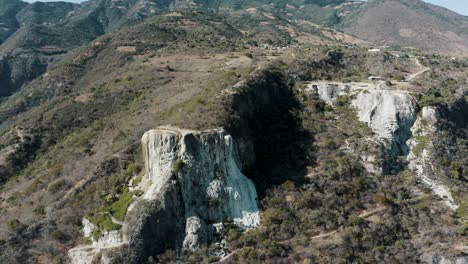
(389, 113)
(421, 148)
(196, 176)
(392, 116)
(193, 183)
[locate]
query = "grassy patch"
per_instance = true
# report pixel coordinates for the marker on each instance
(178, 165)
(462, 211)
(422, 143)
(119, 208)
(104, 222)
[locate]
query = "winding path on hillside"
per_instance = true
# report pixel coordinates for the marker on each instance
(416, 74)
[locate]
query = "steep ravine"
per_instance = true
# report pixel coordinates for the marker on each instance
(192, 184)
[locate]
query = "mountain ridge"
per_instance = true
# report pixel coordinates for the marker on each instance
(410, 23)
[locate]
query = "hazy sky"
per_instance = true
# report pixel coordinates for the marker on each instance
(460, 6)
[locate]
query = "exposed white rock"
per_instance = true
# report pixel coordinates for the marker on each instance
(85, 254)
(208, 173)
(389, 113)
(109, 239)
(200, 171)
(192, 233)
(88, 227)
(160, 152)
(392, 116)
(420, 154)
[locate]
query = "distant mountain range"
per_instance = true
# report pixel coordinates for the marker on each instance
(411, 23)
(32, 36)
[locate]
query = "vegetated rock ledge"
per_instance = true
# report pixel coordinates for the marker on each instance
(192, 184)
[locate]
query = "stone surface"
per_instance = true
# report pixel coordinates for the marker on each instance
(193, 182)
(389, 113)
(420, 159)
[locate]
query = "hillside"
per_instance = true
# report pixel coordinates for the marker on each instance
(410, 24)
(160, 132)
(40, 33)
(45, 31)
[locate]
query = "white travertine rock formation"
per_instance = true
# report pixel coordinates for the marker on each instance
(208, 172)
(392, 116)
(389, 113)
(420, 154)
(197, 172)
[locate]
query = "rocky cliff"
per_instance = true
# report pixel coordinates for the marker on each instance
(389, 113)
(420, 156)
(193, 184)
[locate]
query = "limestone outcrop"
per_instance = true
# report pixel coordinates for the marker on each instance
(421, 148)
(389, 113)
(193, 183)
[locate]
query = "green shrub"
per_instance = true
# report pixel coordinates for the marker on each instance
(39, 210)
(422, 143)
(341, 101)
(119, 208)
(13, 225)
(213, 202)
(178, 165)
(137, 180)
(104, 222)
(462, 211)
(59, 236)
(56, 186)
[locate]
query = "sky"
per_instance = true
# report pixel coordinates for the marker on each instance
(459, 6)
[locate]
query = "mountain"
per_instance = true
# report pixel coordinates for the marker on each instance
(240, 133)
(411, 23)
(45, 31)
(9, 23)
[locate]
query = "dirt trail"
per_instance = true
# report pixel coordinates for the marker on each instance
(416, 74)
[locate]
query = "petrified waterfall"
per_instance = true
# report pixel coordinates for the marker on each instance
(212, 187)
(391, 115)
(192, 184)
